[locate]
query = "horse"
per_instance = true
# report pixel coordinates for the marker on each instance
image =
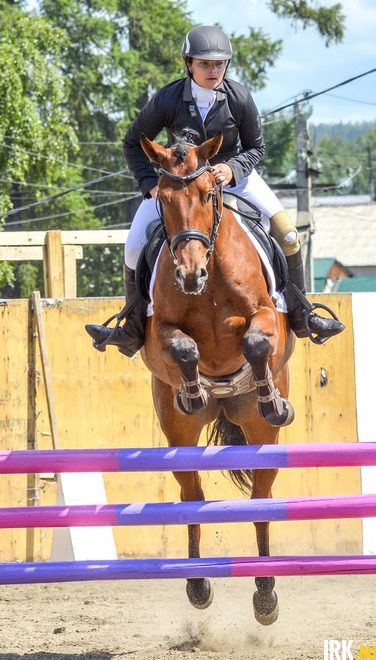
(217, 348)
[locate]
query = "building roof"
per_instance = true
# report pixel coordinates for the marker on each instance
(344, 233)
(322, 267)
(356, 284)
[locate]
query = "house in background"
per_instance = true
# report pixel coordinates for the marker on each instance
(344, 247)
(327, 273)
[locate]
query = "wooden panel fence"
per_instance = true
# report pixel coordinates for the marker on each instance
(104, 400)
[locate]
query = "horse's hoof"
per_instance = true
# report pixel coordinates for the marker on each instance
(200, 592)
(266, 610)
(287, 416)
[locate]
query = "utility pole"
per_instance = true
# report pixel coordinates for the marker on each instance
(371, 177)
(304, 222)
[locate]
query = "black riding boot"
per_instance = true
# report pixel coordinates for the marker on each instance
(321, 326)
(130, 337)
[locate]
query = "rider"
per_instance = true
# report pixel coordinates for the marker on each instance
(205, 102)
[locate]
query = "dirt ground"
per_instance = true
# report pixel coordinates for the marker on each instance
(152, 620)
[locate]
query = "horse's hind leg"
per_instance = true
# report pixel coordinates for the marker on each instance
(265, 600)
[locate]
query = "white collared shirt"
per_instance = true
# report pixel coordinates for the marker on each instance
(205, 98)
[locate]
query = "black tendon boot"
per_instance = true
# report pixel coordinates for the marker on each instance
(130, 337)
(303, 320)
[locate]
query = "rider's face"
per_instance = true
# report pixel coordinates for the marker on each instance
(208, 73)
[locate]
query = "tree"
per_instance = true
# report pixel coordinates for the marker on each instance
(279, 136)
(348, 165)
(35, 129)
(36, 136)
(115, 55)
(303, 13)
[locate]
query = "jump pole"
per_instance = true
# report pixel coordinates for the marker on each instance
(141, 569)
(183, 459)
(185, 513)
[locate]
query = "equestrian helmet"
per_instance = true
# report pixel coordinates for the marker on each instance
(207, 43)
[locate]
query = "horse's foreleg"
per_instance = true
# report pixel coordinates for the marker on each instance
(257, 348)
(186, 432)
(191, 397)
(199, 590)
(265, 600)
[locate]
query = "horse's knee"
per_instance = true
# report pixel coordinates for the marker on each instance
(256, 346)
(184, 349)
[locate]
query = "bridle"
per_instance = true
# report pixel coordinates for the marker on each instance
(194, 234)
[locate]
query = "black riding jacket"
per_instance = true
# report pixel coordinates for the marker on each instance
(173, 108)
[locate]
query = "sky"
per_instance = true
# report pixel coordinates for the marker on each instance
(306, 64)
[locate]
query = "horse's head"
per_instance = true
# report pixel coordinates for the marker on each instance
(190, 205)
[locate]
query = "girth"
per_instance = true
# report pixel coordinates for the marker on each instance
(221, 387)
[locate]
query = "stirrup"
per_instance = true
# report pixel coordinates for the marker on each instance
(127, 309)
(307, 312)
(101, 346)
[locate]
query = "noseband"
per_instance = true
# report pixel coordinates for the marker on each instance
(194, 234)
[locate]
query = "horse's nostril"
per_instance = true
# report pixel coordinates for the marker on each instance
(203, 274)
(179, 274)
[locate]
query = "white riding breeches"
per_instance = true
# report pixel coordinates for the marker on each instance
(253, 188)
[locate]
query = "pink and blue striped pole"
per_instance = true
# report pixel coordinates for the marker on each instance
(183, 459)
(140, 569)
(185, 513)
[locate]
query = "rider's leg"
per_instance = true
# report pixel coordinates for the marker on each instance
(129, 338)
(284, 231)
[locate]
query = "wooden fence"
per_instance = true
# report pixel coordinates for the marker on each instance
(83, 398)
(59, 251)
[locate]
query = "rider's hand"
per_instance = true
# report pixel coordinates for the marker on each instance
(222, 173)
(153, 192)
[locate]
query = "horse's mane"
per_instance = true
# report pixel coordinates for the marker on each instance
(186, 137)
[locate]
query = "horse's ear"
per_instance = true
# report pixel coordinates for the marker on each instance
(211, 147)
(154, 151)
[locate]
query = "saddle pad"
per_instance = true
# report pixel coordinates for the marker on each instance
(276, 297)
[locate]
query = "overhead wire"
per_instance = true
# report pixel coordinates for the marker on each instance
(66, 213)
(308, 96)
(54, 187)
(59, 160)
(60, 194)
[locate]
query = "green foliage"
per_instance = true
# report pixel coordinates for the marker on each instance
(279, 157)
(349, 131)
(350, 166)
(7, 276)
(101, 271)
(35, 132)
(73, 78)
(305, 13)
(253, 56)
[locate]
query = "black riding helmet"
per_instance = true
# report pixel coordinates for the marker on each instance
(207, 43)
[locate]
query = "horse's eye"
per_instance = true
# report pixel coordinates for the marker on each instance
(209, 195)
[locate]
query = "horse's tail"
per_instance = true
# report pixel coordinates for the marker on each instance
(224, 432)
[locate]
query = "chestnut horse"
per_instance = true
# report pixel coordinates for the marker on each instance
(215, 344)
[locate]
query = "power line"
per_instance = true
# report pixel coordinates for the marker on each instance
(345, 98)
(52, 187)
(308, 97)
(60, 215)
(60, 194)
(58, 160)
